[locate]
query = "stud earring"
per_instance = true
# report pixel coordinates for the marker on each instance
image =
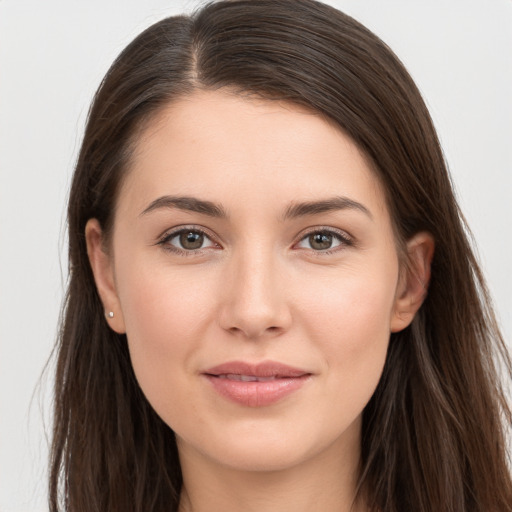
(111, 314)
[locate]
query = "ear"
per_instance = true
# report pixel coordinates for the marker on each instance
(102, 269)
(414, 280)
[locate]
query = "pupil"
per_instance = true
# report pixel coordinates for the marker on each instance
(320, 241)
(191, 240)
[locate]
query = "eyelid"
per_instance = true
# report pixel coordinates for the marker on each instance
(346, 240)
(169, 234)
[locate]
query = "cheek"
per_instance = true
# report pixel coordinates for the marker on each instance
(161, 303)
(354, 305)
(350, 321)
(166, 319)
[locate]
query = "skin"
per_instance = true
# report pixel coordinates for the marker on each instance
(258, 289)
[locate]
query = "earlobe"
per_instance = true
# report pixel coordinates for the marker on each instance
(414, 281)
(102, 270)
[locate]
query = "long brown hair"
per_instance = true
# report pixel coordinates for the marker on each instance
(434, 433)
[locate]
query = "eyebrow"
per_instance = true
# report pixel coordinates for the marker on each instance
(295, 210)
(190, 204)
(326, 205)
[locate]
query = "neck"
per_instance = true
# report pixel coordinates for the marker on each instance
(325, 483)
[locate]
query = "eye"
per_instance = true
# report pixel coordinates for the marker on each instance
(187, 240)
(324, 240)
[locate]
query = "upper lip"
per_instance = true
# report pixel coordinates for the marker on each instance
(263, 369)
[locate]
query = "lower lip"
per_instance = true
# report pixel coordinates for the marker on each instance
(257, 394)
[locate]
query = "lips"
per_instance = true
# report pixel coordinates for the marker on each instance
(256, 385)
(246, 378)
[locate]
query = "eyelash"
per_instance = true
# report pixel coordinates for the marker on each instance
(342, 237)
(168, 236)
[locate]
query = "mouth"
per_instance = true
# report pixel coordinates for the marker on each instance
(245, 378)
(256, 385)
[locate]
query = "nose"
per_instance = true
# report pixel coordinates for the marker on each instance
(254, 304)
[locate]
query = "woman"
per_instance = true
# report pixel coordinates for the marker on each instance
(272, 301)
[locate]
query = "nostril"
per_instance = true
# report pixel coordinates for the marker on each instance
(253, 334)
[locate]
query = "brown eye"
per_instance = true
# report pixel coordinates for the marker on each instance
(187, 241)
(323, 240)
(320, 241)
(191, 240)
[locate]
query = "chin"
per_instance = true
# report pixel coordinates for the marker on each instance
(268, 447)
(262, 456)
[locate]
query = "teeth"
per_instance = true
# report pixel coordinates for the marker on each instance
(246, 378)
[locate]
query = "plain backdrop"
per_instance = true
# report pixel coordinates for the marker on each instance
(53, 54)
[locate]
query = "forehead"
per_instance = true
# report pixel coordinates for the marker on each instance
(242, 151)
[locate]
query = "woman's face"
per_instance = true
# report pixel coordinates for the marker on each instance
(254, 270)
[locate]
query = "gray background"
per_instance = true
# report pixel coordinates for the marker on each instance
(53, 55)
